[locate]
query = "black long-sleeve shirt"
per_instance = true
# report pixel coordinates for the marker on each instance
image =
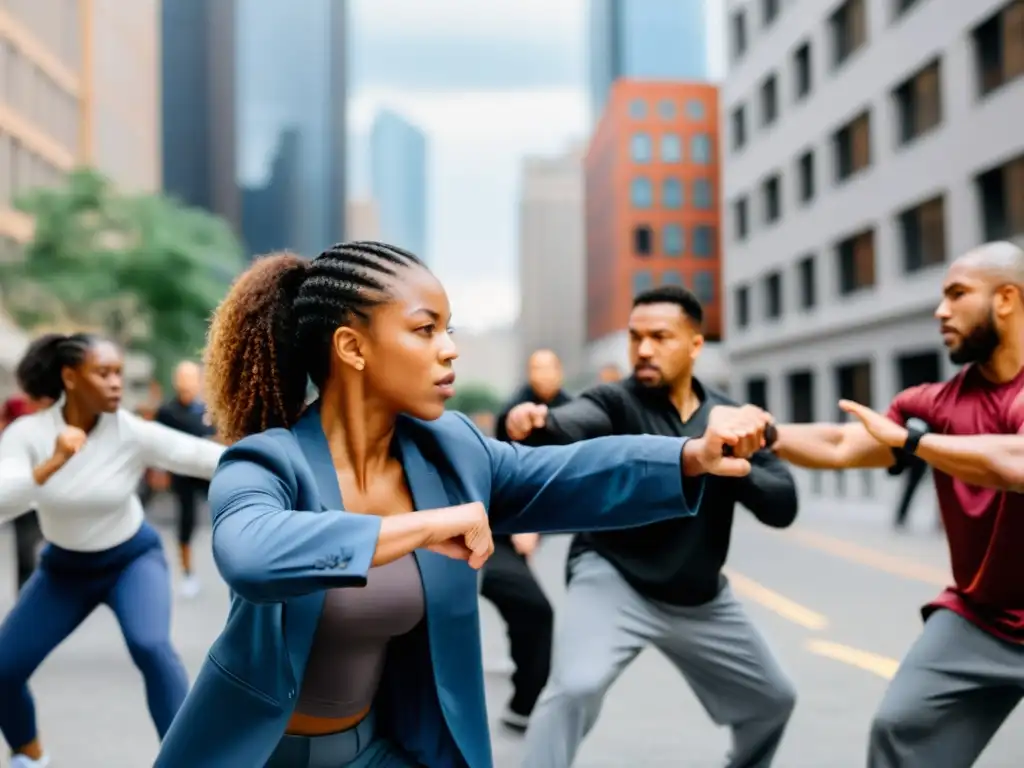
(675, 561)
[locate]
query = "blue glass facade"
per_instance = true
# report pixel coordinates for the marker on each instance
(290, 103)
(398, 172)
(645, 40)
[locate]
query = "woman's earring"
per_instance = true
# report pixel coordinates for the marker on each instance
(359, 365)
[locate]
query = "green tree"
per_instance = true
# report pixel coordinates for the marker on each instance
(142, 268)
(475, 398)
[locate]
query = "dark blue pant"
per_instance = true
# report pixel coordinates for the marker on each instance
(133, 579)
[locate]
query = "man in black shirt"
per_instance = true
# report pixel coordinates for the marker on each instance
(508, 583)
(661, 584)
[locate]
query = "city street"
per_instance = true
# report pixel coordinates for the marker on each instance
(838, 597)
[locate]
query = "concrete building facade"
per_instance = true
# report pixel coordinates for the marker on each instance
(866, 144)
(398, 173)
(552, 260)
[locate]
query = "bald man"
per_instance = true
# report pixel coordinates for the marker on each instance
(507, 580)
(185, 413)
(965, 674)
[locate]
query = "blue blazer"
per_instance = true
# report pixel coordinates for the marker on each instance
(281, 537)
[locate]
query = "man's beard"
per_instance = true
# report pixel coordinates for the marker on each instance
(978, 345)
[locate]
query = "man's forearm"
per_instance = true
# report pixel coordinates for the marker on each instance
(992, 461)
(814, 446)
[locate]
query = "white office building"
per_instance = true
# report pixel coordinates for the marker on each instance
(867, 143)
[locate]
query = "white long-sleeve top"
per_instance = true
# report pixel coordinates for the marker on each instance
(90, 504)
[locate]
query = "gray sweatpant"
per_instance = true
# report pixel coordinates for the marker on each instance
(953, 690)
(604, 625)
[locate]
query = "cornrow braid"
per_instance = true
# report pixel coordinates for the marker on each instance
(275, 326)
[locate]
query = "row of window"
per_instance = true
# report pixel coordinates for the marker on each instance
(641, 194)
(999, 58)
(22, 170)
(667, 109)
(703, 284)
(35, 96)
(922, 242)
(670, 146)
(673, 241)
(54, 23)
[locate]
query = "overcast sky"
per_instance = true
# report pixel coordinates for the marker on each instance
(489, 81)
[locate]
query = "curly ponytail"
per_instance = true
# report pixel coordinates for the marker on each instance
(39, 372)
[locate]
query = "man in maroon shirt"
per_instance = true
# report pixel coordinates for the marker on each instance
(965, 673)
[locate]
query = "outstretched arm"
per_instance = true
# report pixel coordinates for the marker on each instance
(175, 451)
(831, 446)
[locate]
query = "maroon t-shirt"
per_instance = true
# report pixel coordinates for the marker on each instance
(985, 527)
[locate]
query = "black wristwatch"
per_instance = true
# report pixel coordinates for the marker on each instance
(914, 436)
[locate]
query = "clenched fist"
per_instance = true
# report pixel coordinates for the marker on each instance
(69, 442)
(524, 418)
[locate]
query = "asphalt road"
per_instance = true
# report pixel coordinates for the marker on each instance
(837, 596)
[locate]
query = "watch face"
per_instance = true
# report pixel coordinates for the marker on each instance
(918, 424)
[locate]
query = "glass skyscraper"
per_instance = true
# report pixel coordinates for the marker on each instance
(645, 40)
(398, 173)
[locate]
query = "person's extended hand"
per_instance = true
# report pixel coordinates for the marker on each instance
(882, 428)
(524, 418)
(741, 429)
(463, 533)
(525, 543)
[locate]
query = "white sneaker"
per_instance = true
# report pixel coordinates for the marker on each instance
(24, 761)
(189, 587)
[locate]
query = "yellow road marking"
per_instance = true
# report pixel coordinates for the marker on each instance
(777, 603)
(882, 666)
(872, 558)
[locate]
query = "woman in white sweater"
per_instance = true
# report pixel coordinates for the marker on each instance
(78, 463)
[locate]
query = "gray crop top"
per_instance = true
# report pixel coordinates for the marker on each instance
(351, 641)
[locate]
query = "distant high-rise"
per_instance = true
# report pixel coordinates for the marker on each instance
(291, 103)
(198, 93)
(645, 40)
(398, 157)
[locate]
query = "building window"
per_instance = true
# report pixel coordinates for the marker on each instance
(849, 30)
(671, 148)
(643, 240)
(640, 148)
(703, 241)
(773, 296)
(742, 295)
(902, 6)
(739, 34)
(672, 194)
(771, 192)
(856, 257)
(1001, 192)
(769, 10)
(667, 109)
(853, 382)
(700, 149)
(769, 101)
(919, 368)
(923, 230)
(808, 280)
(801, 397)
(695, 109)
(757, 392)
(638, 109)
(642, 281)
(640, 192)
(999, 47)
(805, 172)
(802, 75)
(672, 238)
(740, 218)
(702, 195)
(739, 127)
(704, 286)
(852, 145)
(672, 277)
(919, 103)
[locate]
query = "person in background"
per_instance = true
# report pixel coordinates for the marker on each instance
(661, 584)
(28, 537)
(186, 413)
(508, 582)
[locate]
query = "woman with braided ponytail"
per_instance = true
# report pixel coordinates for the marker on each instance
(349, 530)
(78, 463)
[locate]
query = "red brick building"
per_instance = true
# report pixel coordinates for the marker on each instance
(652, 209)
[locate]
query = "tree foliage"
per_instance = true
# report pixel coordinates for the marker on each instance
(141, 268)
(475, 398)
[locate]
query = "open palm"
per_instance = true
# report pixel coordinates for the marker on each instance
(882, 428)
